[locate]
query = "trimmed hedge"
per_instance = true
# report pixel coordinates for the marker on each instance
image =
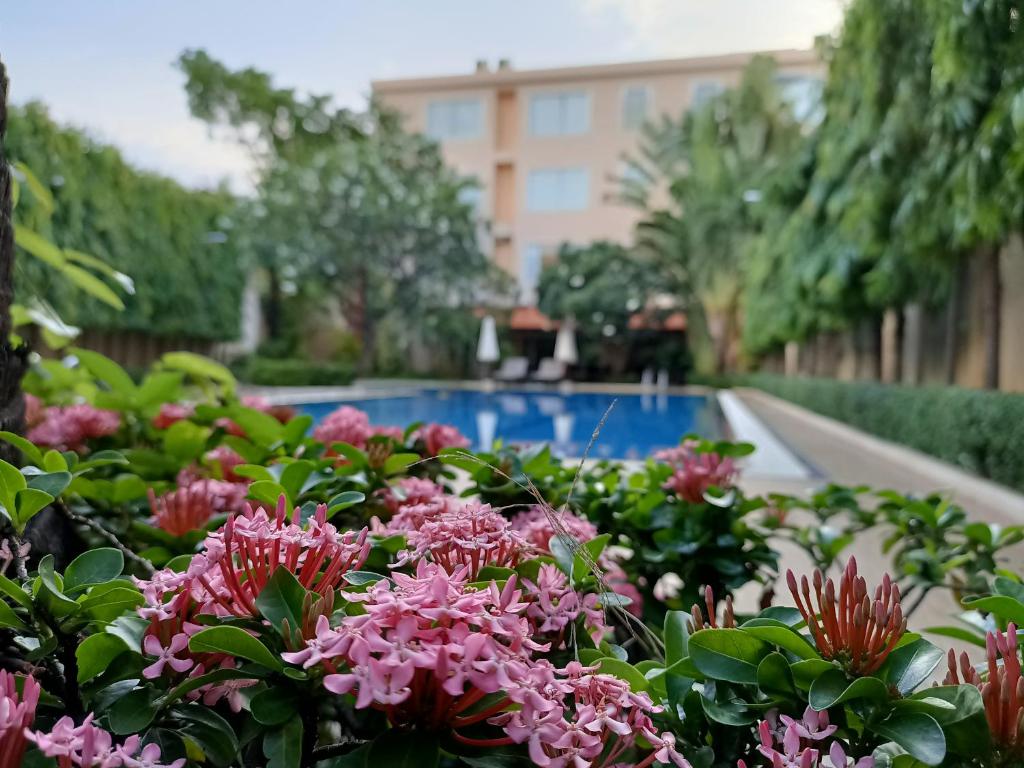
(979, 430)
(271, 372)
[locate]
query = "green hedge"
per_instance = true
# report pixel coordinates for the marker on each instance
(980, 430)
(268, 371)
(179, 245)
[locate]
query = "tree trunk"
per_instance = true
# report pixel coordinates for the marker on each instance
(273, 305)
(953, 323)
(367, 327)
(993, 316)
(13, 361)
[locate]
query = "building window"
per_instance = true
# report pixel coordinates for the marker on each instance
(472, 195)
(455, 119)
(803, 94)
(559, 114)
(635, 105)
(705, 91)
(530, 266)
(558, 189)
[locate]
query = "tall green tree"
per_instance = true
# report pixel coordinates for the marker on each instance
(349, 204)
(713, 165)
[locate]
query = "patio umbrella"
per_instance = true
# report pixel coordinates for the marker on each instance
(565, 343)
(487, 346)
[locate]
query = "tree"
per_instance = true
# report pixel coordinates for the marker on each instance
(715, 163)
(347, 203)
(13, 359)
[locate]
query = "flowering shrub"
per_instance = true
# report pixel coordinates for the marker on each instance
(256, 590)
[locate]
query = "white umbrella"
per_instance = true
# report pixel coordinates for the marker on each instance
(565, 343)
(486, 426)
(487, 346)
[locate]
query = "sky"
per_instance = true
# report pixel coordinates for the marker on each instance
(108, 65)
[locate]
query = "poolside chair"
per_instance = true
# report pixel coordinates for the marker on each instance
(513, 369)
(549, 370)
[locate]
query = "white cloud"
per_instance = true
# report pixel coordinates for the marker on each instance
(696, 27)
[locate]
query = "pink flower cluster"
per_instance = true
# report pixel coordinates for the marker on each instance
(16, 715)
(85, 745)
(555, 605)
(88, 746)
(427, 648)
(172, 413)
(352, 426)
(191, 507)
(437, 437)
(794, 743)
(227, 576)
(694, 473)
(411, 502)
(573, 717)
(68, 428)
(466, 536)
(536, 527)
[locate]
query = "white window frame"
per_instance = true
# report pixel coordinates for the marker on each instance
(451, 133)
(561, 97)
(536, 201)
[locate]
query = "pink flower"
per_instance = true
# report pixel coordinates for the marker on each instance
(224, 460)
(413, 501)
(172, 413)
(167, 655)
(87, 746)
(695, 473)
(345, 425)
(468, 536)
(437, 437)
(68, 428)
(554, 605)
(16, 714)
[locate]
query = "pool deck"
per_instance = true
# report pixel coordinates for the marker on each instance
(839, 453)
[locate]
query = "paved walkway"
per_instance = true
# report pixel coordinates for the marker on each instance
(844, 455)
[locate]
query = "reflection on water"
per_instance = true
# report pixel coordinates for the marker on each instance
(638, 425)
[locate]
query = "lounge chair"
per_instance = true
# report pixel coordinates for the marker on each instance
(513, 369)
(549, 370)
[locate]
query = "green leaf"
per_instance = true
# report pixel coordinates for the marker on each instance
(11, 481)
(281, 599)
(53, 483)
(283, 746)
(39, 246)
(274, 706)
(964, 722)
(95, 654)
(29, 502)
(198, 366)
(234, 642)
(185, 440)
(399, 462)
(1004, 607)
(774, 676)
(92, 285)
(211, 732)
(677, 636)
(97, 566)
(28, 449)
(132, 713)
(268, 493)
(919, 734)
(39, 191)
(262, 428)
(344, 500)
(727, 654)
(404, 749)
(781, 635)
(109, 601)
(15, 592)
(106, 370)
(9, 619)
(834, 687)
(910, 665)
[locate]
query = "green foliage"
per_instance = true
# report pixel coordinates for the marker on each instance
(977, 430)
(269, 371)
(92, 203)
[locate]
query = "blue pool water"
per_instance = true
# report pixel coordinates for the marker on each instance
(637, 426)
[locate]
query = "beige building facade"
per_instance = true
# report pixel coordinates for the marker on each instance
(548, 145)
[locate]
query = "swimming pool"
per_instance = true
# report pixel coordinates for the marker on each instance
(637, 426)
